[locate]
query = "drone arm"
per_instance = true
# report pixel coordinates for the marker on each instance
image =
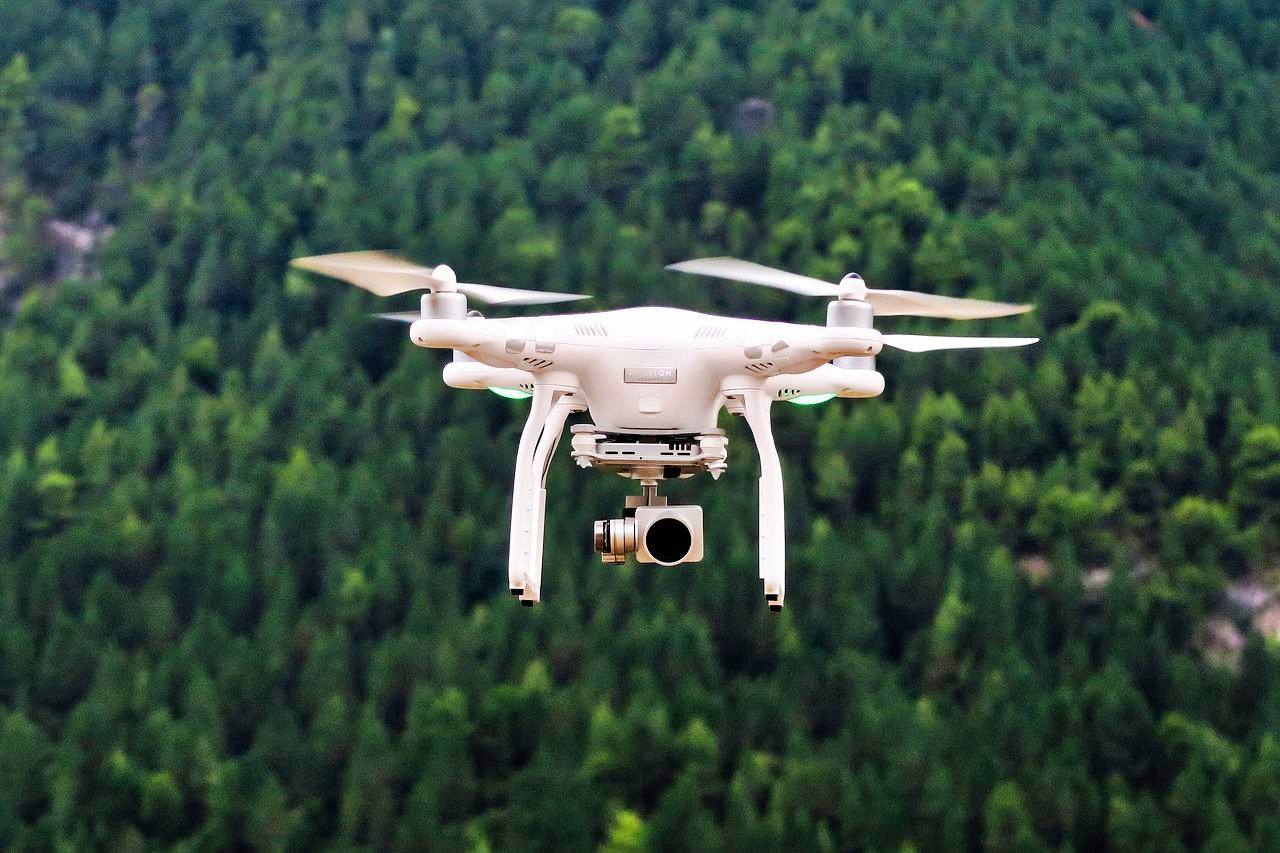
(486, 341)
(475, 376)
(756, 404)
(826, 379)
(801, 349)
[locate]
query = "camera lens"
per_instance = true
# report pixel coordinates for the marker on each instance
(668, 540)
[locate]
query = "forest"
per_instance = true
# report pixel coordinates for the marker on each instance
(253, 551)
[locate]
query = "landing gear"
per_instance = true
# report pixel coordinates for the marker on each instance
(551, 406)
(754, 404)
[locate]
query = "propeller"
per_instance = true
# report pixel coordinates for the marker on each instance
(931, 343)
(387, 275)
(886, 303)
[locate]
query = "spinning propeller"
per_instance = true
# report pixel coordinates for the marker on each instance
(887, 303)
(856, 305)
(387, 275)
(933, 343)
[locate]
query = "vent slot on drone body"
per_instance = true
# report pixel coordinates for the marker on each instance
(591, 330)
(759, 367)
(678, 448)
(709, 332)
(538, 363)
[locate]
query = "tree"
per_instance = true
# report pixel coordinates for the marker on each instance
(1006, 822)
(627, 834)
(1257, 469)
(1199, 529)
(368, 798)
(24, 755)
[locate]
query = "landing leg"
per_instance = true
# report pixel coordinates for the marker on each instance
(565, 405)
(547, 414)
(773, 567)
(522, 493)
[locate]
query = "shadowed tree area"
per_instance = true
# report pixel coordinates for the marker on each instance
(253, 552)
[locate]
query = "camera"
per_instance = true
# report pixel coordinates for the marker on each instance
(666, 535)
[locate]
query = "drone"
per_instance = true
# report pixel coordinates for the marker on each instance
(654, 380)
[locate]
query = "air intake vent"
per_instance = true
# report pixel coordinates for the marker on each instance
(706, 332)
(759, 367)
(538, 363)
(591, 330)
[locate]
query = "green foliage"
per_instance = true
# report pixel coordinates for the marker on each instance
(1199, 530)
(627, 834)
(1258, 470)
(252, 553)
(1007, 822)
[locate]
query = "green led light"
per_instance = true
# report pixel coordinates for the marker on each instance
(810, 399)
(510, 393)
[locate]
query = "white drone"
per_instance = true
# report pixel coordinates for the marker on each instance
(654, 381)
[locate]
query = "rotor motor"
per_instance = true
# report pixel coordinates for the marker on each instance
(852, 313)
(444, 302)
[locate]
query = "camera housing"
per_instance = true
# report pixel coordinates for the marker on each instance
(666, 535)
(669, 535)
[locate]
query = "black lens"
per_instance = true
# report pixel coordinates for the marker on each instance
(668, 540)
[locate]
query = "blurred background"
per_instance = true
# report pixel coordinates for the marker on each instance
(252, 551)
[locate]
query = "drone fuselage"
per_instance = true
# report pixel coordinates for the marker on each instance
(655, 370)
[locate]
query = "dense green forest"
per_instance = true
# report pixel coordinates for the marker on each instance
(252, 551)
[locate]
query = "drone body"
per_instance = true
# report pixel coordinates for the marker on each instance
(647, 370)
(654, 381)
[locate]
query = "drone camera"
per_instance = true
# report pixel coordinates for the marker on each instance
(666, 535)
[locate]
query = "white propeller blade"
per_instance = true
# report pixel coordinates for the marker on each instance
(387, 275)
(494, 295)
(930, 343)
(909, 303)
(376, 272)
(736, 270)
(886, 303)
